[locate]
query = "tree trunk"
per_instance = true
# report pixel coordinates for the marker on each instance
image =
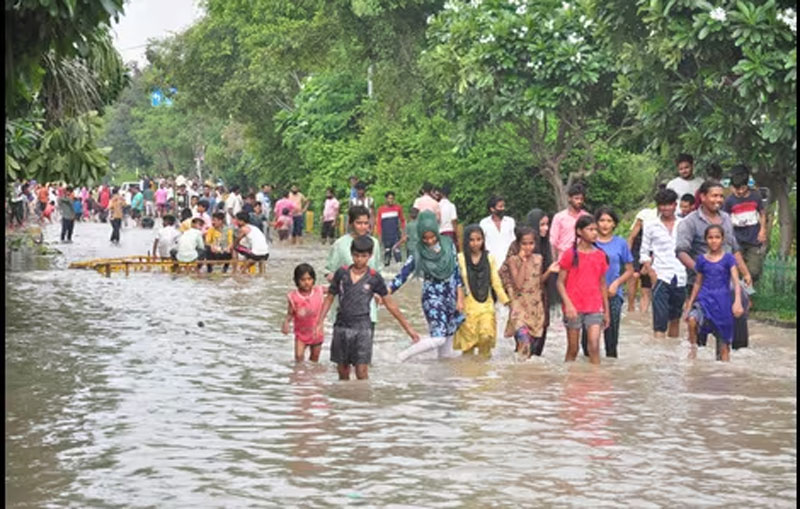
(770, 219)
(552, 172)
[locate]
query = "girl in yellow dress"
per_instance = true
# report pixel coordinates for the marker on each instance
(479, 273)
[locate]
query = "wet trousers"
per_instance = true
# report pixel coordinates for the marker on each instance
(443, 345)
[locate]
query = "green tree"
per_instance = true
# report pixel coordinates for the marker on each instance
(61, 70)
(718, 80)
(540, 66)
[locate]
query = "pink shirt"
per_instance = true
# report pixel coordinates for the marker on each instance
(161, 195)
(284, 203)
(426, 202)
(331, 209)
(562, 232)
(306, 309)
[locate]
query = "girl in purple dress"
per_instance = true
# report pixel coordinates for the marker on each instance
(709, 308)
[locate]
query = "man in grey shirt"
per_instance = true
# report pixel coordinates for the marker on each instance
(67, 210)
(691, 243)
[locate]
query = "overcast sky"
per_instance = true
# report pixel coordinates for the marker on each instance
(148, 19)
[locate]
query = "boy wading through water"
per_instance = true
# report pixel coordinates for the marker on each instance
(352, 332)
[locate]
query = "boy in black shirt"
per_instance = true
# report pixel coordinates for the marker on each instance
(356, 286)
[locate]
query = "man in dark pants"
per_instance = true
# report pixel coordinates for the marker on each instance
(67, 215)
(691, 243)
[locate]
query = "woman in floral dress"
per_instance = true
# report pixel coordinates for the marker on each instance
(434, 261)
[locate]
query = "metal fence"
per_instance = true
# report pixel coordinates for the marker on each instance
(776, 290)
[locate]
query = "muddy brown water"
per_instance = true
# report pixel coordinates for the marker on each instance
(115, 397)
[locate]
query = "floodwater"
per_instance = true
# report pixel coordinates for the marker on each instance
(116, 397)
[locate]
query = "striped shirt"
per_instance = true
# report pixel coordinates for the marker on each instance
(658, 240)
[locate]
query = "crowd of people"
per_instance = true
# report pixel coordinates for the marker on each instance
(695, 256)
(503, 278)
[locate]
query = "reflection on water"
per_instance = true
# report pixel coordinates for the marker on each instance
(115, 396)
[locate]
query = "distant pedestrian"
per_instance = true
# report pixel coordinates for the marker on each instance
(685, 182)
(330, 213)
(390, 224)
(67, 209)
(116, 211)
(448, 216)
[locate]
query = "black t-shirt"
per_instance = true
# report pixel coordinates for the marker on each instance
(354, 298)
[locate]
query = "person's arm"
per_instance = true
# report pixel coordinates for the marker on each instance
(737, 308)
(155, 246)
(569, 309)
(326, 306)
(748, 279)
(496, 282)
(391, 306)
(405, 273)
(555, 233)
(683, 244)
(604, 292)
(378, 223)
(644, 253)
(517, 274)
(762, 226)
(289, 314)
(637, 227)
(698, 282)
(331, 262)
(626, 274)
(200, 244)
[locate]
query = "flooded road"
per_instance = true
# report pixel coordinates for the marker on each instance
(116, 397)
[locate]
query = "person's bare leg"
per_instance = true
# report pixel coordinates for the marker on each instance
(593, 343)
(644, 301)
(315, 351)
(725, 352)
(692, 337)
(674, 328)
(344, 371)
(361, 371)
(299, 351)
(573, 338)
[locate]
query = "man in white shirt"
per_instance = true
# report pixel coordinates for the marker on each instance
(233, 205)
(448, 221)
(191, 246)
(498, 230)
(685, 182)
(167, 237)
(669, 281)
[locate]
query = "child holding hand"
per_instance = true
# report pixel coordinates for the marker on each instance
(582, 286)
(709, 308)
(526, 320)
(305, 304)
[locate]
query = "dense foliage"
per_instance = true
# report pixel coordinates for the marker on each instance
(61, 70)
(507, 96)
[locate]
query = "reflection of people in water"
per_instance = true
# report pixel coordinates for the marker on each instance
(588, 405)
(311, 417)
